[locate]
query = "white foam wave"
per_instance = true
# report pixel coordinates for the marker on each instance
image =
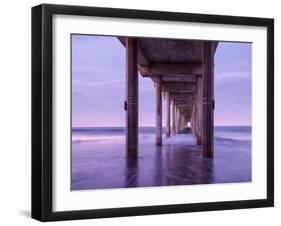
(82, 138)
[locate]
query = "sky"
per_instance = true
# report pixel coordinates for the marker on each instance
(98, 84)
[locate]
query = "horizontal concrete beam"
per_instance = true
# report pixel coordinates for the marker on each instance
(174, 78)
(185, 96)
(178, 86)
(185, 113)
(189, 99)
(171, 69)
(185, 106)
(178, 78)
(182, 102)
(179, 90)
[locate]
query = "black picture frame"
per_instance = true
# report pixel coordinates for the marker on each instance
(42, 111)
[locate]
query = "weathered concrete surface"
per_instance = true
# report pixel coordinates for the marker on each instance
(131, 99)
(168, 116)
(196, 117)
(208, 98)
(158, 115)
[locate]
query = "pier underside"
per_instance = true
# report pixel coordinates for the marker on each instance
(183, 72)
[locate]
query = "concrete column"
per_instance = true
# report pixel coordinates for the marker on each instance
(180, 122)
(131, 99)
(158, 86)
(199, 104)
(173, 117)
(193, 120)
(168, 128)
(176, 119)
(208, 95)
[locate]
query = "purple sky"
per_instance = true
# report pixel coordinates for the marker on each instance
(98, 84)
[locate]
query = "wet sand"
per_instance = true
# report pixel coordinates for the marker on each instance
(102, 164)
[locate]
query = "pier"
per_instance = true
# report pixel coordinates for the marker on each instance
(183, 72)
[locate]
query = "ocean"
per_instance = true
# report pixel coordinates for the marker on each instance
(99, 159)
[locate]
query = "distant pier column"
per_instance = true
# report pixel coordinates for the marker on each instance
(158, 85)
(196, 119)
(131, 99)
(180, 123)
(168, 128)
(173, 117)
(208, 96)
(199, 105)
(177, 119)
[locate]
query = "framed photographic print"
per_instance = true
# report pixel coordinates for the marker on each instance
(145, 112)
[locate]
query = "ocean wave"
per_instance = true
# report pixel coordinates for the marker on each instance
(97, 138)
(107, 138)
(233, 137)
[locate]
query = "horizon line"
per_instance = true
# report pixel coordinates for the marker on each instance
(146, 126)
